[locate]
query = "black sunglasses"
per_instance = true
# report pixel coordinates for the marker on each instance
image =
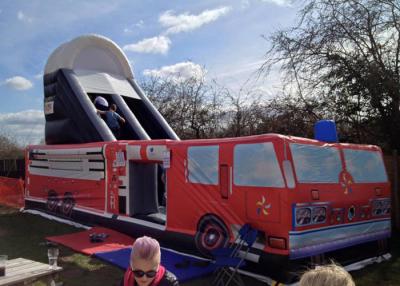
(141, 273)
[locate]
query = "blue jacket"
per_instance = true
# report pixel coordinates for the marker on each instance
(112, 119)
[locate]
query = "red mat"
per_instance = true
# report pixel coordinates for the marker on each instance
(80, 241)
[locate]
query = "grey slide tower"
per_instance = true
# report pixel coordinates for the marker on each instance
(75, 74)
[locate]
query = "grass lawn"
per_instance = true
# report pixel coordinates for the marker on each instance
(22, 234)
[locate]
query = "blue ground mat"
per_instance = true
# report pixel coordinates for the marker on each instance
(183, 266)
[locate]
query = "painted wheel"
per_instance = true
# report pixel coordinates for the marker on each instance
(211, 234)
(52, 201)
(67, 204)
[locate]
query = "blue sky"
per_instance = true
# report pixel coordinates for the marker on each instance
(158, 37)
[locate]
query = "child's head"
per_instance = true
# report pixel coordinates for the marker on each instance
(327, 275)
(113, 107)
(145, 258)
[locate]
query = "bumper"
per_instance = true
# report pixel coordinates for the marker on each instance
(314, 242)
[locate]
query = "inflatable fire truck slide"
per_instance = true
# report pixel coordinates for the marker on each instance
(310, 200)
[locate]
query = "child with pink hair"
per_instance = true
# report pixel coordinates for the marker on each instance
(145, 268)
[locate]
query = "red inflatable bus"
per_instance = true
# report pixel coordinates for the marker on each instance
(309, 200)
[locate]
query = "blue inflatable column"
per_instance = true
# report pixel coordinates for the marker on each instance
(325, 130)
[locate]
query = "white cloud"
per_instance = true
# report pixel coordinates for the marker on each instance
(285, 3)
(179, 71)
(22, 17)
(138, 25)
(155, 45)
(18, 83)
(27, 126)
(244, 76)
(241, 69)
(187, 22)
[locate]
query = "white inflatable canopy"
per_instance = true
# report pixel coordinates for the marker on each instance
(100, 65)
(90, 52)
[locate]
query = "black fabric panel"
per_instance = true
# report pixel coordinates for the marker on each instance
(50, 89)
(86, 117)
(146, 119)
(149, 117)
(132, 128)
(122, 204)
(142, 189)
(53, 134)
(50, 78)
(74, 119)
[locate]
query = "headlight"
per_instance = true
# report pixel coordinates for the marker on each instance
(318, 215)
(381, 207)
(386, 207)
(303, 216)
(376, 208)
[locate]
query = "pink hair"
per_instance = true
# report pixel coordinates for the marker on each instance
(145, 248)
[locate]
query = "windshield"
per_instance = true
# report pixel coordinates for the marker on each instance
(365, 166)
(316, 164)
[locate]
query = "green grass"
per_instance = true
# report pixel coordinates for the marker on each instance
(386, 273)
(21, 236)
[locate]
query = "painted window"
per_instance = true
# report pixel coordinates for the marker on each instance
(316, 164)
(256, 165)
(365, 166)
(203, 164)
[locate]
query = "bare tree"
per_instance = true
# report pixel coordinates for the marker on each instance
(342, 61)
(246, 112)
(9, 149)
(191, 106)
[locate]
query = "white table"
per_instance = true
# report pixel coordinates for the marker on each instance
(25, 271)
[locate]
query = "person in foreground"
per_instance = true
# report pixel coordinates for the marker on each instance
(145, 268)
(327, 275)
